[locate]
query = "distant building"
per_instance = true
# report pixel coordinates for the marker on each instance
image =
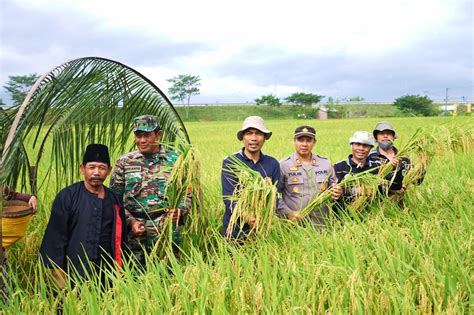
(323, 113)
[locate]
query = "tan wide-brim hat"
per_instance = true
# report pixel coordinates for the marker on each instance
(255, 122)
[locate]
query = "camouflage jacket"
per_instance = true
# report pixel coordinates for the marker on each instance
(141, 181)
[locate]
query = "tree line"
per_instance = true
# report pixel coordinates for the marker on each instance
(185, 86)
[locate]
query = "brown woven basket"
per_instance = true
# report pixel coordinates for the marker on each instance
(16, 209)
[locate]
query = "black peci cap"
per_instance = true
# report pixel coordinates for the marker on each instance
(96, 153)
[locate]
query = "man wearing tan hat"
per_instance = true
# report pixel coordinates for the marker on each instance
(253, 135)
(304, 175)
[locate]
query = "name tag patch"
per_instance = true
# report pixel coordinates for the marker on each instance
(133, 169)
(294, 174)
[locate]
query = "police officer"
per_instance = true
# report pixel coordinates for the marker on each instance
(304, 175)
(140, 178)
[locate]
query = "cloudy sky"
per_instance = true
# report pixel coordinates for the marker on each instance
(375, 49)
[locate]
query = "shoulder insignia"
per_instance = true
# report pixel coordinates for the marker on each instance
(323, 187)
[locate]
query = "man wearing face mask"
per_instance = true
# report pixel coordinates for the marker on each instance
(358, 162)
(386, 152)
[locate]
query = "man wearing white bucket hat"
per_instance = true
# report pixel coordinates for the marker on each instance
(361, 143)
(357, 162)
(253, 135)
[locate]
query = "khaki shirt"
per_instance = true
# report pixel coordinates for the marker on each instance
(302, 183)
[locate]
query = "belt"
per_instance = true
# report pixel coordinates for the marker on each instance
(149, 215)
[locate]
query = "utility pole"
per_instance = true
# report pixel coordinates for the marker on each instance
(446, 100)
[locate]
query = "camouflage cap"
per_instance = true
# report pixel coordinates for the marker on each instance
(145, 123)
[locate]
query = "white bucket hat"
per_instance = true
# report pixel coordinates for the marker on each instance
(363, 137)
(255, 122)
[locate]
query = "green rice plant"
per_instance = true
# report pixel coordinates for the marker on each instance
(390, 260)
(255, 199)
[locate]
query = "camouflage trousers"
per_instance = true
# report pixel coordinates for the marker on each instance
(154, 240)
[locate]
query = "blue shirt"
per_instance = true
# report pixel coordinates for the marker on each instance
(267, 166)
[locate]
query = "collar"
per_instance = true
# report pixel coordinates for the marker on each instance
(296, 158)
(351, 163)
(246, 158)
(161, 154)
(377, 150)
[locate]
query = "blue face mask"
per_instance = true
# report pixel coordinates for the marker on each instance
(386, 145)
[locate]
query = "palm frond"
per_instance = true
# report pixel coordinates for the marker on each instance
(86, 100)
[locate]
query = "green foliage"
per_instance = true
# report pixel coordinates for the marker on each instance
(19, 85)
(304, 99)
(1, 102)
(356, 99)
(184, 86)
(269, 99)
(416, 105)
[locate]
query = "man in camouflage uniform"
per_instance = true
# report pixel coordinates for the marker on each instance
(140, 178)
(304, 176)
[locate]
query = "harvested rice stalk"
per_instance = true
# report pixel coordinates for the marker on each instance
(255, 199)
(183, 182)
(364, 184)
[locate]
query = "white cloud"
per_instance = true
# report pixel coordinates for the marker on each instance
(248, 48)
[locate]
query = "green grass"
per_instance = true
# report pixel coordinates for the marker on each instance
(387, 260)
(234, 112)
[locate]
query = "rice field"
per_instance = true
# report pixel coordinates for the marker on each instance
(415, 259)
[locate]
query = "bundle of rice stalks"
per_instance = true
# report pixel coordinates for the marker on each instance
(183, 189)
(255, 199)
(420, 149)
(184, 182)
(362, 187)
